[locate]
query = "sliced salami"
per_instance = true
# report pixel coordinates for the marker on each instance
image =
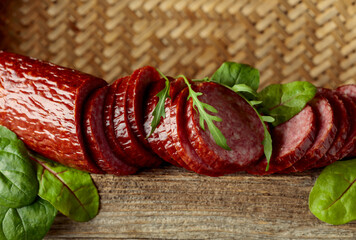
(176, 86)
(109, 118)
(96, 139)
(240, 125)
(154, 139)
(326, 132)
(291, 140)
(181, 141)
(43, 103)
(138, 154)
(350, 142)
(350, 91)
(342, 124)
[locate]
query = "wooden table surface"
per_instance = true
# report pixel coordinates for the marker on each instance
(171, 203)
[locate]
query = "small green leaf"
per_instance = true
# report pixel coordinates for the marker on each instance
(219, 138)
(159, 111)
(70, 191)
(268, 119)
(283, 101)
(332, 199)
(254, 103)
(267, 145)
(31, 222)
(18, 182)
(231, 74)
(244, 88)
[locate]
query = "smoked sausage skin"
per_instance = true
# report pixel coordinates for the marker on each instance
(42, 103)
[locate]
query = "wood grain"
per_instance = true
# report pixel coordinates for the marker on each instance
(171, 203)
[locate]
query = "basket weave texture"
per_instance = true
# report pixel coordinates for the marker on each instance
(286, 40)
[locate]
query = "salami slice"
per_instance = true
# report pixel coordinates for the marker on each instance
(326, 133)
(138, 154)
(176, 86)
(350, 91)
(291, 140)
(96, 139)
(42, 103)
(180, 138)
(154, 139)
(342, 128)
(240, 125)
(109, 118)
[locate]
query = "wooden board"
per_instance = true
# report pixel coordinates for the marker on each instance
(171, 203)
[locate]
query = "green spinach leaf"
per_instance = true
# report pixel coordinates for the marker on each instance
(69, 190)
(332, 199)
(31, 222)
(283, 101)
(6, 133)
(18, 181)
(231, 74)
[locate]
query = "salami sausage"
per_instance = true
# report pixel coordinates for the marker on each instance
(96, 139)
(180, 138)
(326, 133)
(176, 86)
(342, 128)
(42, 103)
(138, 154)
(240, 125)
(291, 140)
(154, 139)
(350, 91)
(109, 118)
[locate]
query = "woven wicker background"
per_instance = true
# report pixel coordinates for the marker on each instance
(286, 40)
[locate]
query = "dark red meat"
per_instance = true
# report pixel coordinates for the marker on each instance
(326, 133)
(291, 140)
(184, 148)
(42, 103)
(96, 139)
(350, 142)
(342, 124)
(240, 125)
(350, 91)
(154, 139)
(109, 118)
(176, 86)
(138, 154)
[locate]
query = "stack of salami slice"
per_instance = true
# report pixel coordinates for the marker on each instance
(82, 122)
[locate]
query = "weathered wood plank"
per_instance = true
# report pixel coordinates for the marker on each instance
(171, 203)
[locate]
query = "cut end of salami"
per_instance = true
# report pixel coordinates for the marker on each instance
(291, 140)
(96, 139)
(326, 132)
(240, 125)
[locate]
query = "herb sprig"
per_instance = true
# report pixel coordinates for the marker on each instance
(159, 111)
(205, 117)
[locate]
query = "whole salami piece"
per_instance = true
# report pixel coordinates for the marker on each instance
(291, 140)
(42, 103)
(99, 147)
(240, 125)
(326, 133)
